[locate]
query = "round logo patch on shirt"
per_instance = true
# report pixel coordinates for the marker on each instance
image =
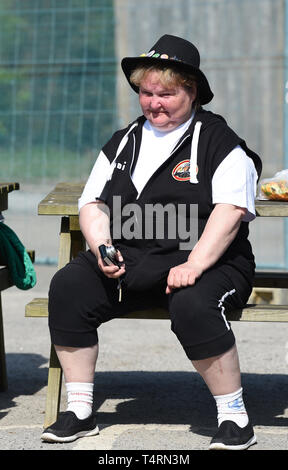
(181, 172)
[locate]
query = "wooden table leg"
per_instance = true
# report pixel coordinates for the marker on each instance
(53, 396)
(65, 245)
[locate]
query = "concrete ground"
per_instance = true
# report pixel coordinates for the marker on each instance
(147, 395)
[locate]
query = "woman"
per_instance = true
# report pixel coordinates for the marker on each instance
(176, 155)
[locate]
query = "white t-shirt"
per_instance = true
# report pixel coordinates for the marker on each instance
(160, 144)
(234, 181)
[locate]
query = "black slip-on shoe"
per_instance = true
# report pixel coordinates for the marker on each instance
(231, 437)
(68, 428)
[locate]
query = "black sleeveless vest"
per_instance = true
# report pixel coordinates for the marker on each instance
(150, 250)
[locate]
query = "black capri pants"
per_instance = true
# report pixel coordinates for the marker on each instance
(81, 298)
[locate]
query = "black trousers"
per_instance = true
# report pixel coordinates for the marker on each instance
(81, 298)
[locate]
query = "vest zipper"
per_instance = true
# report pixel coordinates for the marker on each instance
(179, 145)
(171, 154)
(133, 156)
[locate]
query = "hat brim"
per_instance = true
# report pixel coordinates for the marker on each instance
(129, 64)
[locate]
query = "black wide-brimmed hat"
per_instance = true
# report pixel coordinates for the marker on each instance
(176, 53)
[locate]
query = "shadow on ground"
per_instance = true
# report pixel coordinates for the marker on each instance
(143, 397)
(26, 376)
(182, 398)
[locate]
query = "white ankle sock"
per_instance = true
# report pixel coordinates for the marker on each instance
(231, 407)
(80, 398)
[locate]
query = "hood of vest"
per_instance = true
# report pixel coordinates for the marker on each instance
(201, 121)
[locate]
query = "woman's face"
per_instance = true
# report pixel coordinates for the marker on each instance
(165, 108)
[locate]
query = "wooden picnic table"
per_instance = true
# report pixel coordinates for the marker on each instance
(63, 201)
(5, 189)
(5, 282)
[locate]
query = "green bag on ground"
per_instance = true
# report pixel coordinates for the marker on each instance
(14, 255)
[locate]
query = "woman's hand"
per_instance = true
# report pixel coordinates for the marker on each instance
(220, 230)
(112, 271)
(95, 225)
(183, 275)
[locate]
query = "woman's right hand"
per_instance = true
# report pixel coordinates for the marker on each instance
(112, 271)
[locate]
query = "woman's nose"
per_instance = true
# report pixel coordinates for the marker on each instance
(155, 102)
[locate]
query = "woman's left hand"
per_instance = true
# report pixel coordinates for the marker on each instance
(220, 230)
(182, 275)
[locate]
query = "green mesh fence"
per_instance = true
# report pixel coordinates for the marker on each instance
(57, 86)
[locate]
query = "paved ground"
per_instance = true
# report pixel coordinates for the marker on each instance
(147, 395)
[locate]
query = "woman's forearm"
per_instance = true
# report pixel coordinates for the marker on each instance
(220, 230)
(95, 225)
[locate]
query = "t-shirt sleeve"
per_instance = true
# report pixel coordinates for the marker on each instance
(97, 179)
(235, 182)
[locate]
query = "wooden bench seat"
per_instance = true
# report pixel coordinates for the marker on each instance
(254, 312)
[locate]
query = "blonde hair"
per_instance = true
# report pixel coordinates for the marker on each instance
(168, 77)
